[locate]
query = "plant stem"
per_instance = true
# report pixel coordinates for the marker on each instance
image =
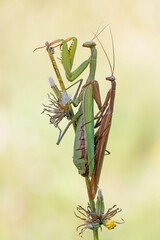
(95, 234)
(91, 201)
(92, 205)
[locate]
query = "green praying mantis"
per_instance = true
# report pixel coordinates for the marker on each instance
(83, 156)
(87, 114)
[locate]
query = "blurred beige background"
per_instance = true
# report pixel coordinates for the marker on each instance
(39, 185)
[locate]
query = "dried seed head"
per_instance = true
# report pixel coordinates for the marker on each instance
(92, 220)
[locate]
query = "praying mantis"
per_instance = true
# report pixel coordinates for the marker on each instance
(87, 146)
(88, 107)
(104, 124)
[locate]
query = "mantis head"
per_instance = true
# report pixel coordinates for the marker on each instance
(111, 78)
(89, 44)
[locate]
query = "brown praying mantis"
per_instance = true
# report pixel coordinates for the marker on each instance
(104, 124)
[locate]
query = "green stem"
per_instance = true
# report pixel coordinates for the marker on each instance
(92, 205)
(95, 234)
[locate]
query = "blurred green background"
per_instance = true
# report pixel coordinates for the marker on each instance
(39, 185)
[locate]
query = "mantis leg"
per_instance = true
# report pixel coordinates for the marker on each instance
(74, 119)
(100, 114)
(67, 58)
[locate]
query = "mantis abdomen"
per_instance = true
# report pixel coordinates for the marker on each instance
(80, 151)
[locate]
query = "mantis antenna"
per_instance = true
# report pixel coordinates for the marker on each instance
(112, 66)
(97, 31)
(97, 34)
